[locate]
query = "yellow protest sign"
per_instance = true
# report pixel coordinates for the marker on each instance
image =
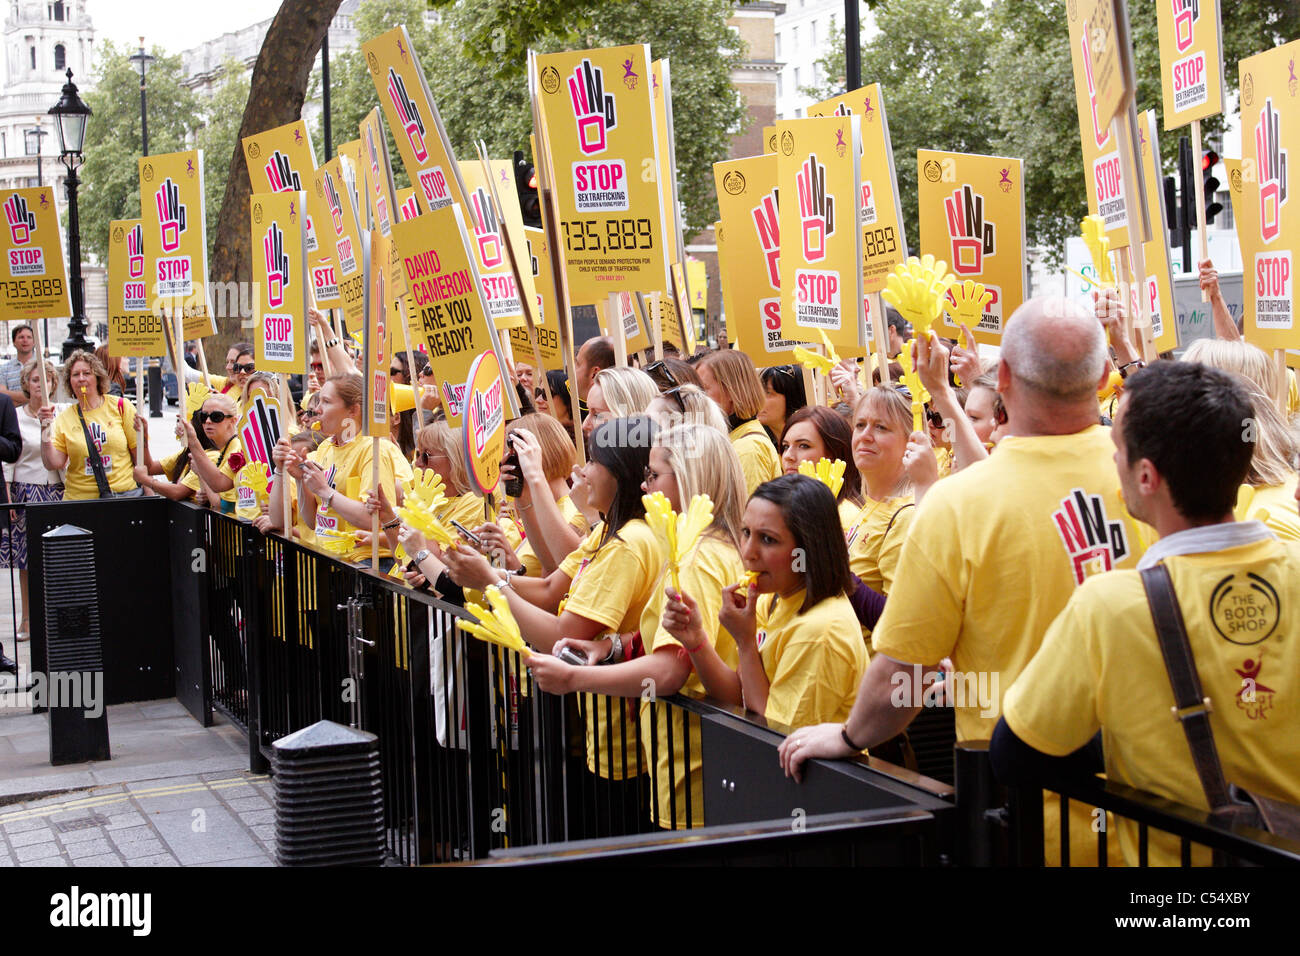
(35, 282)
(355, 171)
(408, 203)
(884, 244)
(682, 304)
(379, 300)
(1159, 285)
(1102, 164)
(1270, 135)
(282, 160)
(484, 433)
(133, 329)
(972, 216)
(504, 304)
(339, 235)
(769, 139)
(548, 330)
(661, 87)
(820, 260)
(279, 233)
(749, 257)
(1191, 60)
(175, 226)
(452, 320)
(1243, 198)
(1103, 28)
(598, 116)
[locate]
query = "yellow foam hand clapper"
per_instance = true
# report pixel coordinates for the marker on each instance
(257, 477)
(680, 531)
(916, 288)
(809, 359)
(400, 559)
(829, 473)
(426, 487)
(965, 303)
(912, 379)
(336, 542)
(196, 393)
(496, 624)
(1094, 237)
(423, 498)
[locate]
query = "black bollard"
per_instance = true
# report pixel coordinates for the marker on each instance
(155, 389)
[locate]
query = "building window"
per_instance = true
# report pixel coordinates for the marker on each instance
(56, 10)
(813, 33)
(32, 51)
(796, 79)
(798, 113)
(778, 46)
(778, 85)
(4, 145)
(60, 56)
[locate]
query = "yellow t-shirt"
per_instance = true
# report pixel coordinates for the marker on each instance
(247, 505)
(219, 457)
(849, 512)
(585, 549)
(113, 430)
(612, 588)
(714, 565)
(994, 553)
(813, 661)
(466, 508)
(354, 460)
(759, 461)
(224, 386)
(944, 458)
(1100, 666)
(524, 549)
(876, 540)
(1275, 505)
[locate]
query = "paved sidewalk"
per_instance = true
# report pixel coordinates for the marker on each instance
(174, 794)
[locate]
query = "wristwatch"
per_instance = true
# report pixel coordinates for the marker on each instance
(420, 556)
(615, 649)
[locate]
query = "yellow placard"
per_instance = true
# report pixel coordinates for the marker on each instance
(379, 299)
(279, 241)
(548, 329)
(35, 282)
(484, 434)
(355, 172)
(1191, 59)
(133, 329)
(1102, 165)
(884, 244)
(408, 204)
(282, 160)
(1159, 285)
(1243, 198)
(769, 139)
(817, 173)
(598, 114)
(972, 216)
(451, 316)
(685, 318)
(504, 305)
(1100, 23)
(749, 263)
(339, 235)
(175, 226)
(379, 182)
(1270, 229)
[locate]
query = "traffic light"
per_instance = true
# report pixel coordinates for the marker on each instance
(530, 205)
(1212, 207)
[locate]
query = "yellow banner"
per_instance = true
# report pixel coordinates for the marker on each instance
(1102, 167)
(598, 114)
(1270, 136)
(279, 241)
(379, 181)
(340, 238)
(1155, 253)
(1191, 59)
(884, 244)
(749, 258)
(453, 322)
(972, 216)
(548, 329)
(35, 282)
(378, 356)
(133, 329)
(175, 227)
(821, 274)
(504, 305)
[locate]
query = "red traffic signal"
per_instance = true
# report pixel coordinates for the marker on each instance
(1208, 160)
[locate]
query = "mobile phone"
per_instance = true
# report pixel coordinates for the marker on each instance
(514, 485)
(470, 536)
(570, 656)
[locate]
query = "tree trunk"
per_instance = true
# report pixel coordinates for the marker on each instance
(275, 97)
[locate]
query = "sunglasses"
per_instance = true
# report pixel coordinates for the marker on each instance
(675, 393)
(395, 371)
(215, 417)
(662, 375)
(237, 368)
(651, 476)
(318, 366)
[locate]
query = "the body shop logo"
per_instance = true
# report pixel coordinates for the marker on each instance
(1272, 171)
(277, 265)
(971, 237)
(593, 107)
(816, 209)
(409, 114)
(1092, 543)
(171, 215)
(1186, 13)
(485, 415)
(22, 222)
(486, 230)
(767, 224)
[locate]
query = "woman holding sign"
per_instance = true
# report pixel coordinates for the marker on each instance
(205, 472)
(729, 378)
(94, 421)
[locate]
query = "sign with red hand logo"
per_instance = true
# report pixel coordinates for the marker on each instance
(339, 235)
(1191, 59)
(175, 232)
(484, 429)
(33, 283)
(377, 357)
(133, 329)
(279, 233)
(1159, 285)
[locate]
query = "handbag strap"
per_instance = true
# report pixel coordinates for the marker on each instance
(93, 456)
(1191, 707)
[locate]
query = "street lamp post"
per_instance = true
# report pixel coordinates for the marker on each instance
(70, 115)
(143, 58)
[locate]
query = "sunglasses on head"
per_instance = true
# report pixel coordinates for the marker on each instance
(675, 393)
(215, 417)
(237, 368)
(662, 375)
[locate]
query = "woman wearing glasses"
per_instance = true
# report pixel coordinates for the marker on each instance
(239, 366)
(729, 378)
(196, 471)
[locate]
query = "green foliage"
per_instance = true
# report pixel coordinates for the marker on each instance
(219, 138)
(111, 173)
(475, 62)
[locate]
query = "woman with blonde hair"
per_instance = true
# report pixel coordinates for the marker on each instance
(882, 424)
(685, 461)
(206, 474)
(730, 380)
(109, 423)
(687, 405)
(617, 393)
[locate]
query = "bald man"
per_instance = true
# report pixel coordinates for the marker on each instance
(996, 550)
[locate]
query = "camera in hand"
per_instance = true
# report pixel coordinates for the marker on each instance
(570, 656)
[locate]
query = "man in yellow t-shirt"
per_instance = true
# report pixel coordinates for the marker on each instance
(1180, 459)
(995, 551)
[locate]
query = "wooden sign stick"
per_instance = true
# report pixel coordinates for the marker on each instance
(656, 326)
(612, 312)
(1199, 180)
(880, 328)
(286, 503)
(1283, 379)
